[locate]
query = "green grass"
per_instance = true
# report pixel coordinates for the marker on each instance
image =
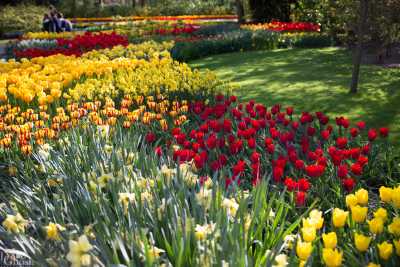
(313, 80)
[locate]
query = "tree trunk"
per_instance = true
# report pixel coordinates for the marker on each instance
(357, 56)
(240, 11)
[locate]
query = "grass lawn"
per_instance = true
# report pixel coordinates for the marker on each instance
(313, 80)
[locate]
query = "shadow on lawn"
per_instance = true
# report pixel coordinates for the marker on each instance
(313, 80)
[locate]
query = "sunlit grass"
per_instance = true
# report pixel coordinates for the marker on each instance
(313, 80)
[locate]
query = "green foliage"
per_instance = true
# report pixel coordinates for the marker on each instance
(165, 212)
(314, 80)
(153, 8)
(246, 40)
(23, 18)
(267, 10)
(227, 42)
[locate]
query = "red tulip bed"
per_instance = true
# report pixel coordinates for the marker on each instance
(279, 26)
(250, 142)
(77, 45)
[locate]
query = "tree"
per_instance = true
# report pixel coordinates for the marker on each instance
(357, 56)
(240, 11)
(267, 10)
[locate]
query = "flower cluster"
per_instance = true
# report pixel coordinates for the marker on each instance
(284, 26)
(50, 35)
(167, 18)
(375, 239)
(25, 129)
(248, 142)
(78, 45)
(58, 77)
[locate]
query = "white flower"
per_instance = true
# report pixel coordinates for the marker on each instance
(231, 206)
(280, 261)
(201, 231)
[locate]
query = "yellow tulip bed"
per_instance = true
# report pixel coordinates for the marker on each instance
(42, 96)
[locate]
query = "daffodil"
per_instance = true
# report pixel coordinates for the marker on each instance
(201, 231)
(53, 231)
(15, 223)
(231, 206)
(78, 252)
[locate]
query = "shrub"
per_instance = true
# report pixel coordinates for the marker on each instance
(239, 40)
(24, 18)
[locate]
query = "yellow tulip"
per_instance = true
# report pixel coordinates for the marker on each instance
(308, 233)
(394, 227)
(351, 200)
(303, 249)
(371, 264)
(358, 213)
(330, 240)
(385, 250)
(332, 257)
(381, 213)
(339, 217)
(362, 196)
(361, 242)
(396, 197)
(385, 194)
(316, 218)
(397, 246)
(376, 225)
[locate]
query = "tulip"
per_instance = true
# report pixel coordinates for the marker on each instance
(303, 249)
(394, 227)
(351, 200)
(385, 194)
(397, 246)
(381, 213)
(330, 240)
(332, 257)
(339, 217)
(385, 250)
(361, 242)
(358, 213)
(376, 225)
(362, 196)
(308, 233)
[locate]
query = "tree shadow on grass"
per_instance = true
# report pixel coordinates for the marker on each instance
(313, 80)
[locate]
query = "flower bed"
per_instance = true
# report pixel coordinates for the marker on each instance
(161, 18)
(124, 156)
(78, 45)
(284, 26)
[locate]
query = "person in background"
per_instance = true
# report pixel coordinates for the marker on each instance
(46, 23)
(56, 21)
(66, 25)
